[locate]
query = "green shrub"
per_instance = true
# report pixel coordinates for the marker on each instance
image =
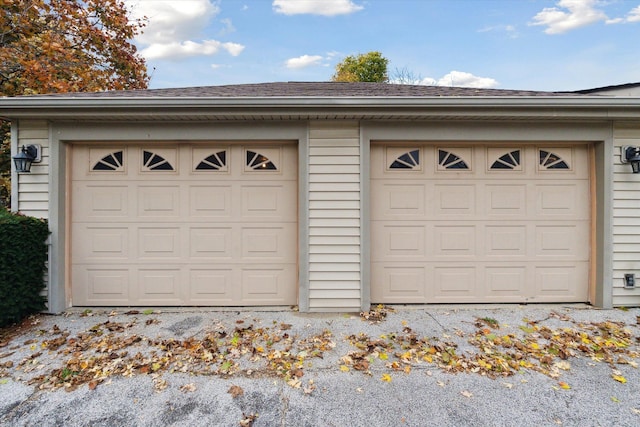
(23, 257)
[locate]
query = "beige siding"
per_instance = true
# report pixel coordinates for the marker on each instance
(626, 218)
(33, 188)
(334, 217)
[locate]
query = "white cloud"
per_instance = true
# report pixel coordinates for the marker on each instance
(316, 7)
(577, 13)
(463, 79)
(454, 78)
(509, 30)
(304, 61)
(634, 15)
(179, 50)
(174, 28)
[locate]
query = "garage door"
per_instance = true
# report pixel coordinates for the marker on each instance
(184, 224)
(461, 223)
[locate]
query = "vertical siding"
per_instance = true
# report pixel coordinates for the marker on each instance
(626, 218)
(334, 217)
(33, 188)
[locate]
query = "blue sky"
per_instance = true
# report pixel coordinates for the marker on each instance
(505, 44)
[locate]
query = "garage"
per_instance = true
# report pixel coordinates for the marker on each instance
(211, 224)
(465, 223)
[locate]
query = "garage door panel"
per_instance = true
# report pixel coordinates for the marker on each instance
(159, 242)
(511, 224)
(210, 242)
(505, 241)
(210, 201)
(266, 242)
(159, 285)
(91, 243)
(267, 285)
(564, 241)
(454, 283)
(403, 242)
(107, 285)
(454, 199)
(506, 200)
(505, 282)
(454, 241)
(158, 201)
(561, 282)
(182, 222)
(399, 283)
(102, 202)
(212, 286)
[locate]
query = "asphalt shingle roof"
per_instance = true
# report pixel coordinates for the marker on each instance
(317, 89)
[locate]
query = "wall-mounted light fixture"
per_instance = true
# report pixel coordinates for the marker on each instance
(28, 154)
(630, 154)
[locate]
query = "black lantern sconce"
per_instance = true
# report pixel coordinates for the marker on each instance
(631, 155)
(28, 154)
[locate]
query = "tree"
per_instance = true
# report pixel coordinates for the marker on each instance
(367, 67)
(57, 46)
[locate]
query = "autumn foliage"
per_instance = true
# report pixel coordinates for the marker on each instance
(58, 46)
(68, 46)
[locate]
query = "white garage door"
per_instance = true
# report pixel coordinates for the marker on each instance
(461, 223)
(184, 225)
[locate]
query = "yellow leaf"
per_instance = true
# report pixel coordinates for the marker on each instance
(386, 378)
(620, 378)
(407, 369)
(564, 385)
(344, 368)
(615, 399)
(383, 356)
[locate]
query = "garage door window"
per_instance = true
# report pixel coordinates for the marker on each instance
(508, 161)
(408, 160)
(450, 160)
(110, 162)
(214, 162)
(549, 160)
(155, 162)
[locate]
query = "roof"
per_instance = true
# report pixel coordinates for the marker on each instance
(314, 89)
(319, 100)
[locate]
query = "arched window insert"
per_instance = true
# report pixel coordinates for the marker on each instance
(257, 161)
(409, 160)
(154, 161)
(507, 161)
(110, 162)
(449, 160)
(215, 161)
(549, 160)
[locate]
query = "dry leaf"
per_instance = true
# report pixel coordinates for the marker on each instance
(235, 391)
(247, 420)
(188, 387)
(564, 385)
(386, 378)
(619, 378)
(466, 393)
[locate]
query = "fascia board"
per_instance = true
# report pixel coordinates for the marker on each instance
(70, 107)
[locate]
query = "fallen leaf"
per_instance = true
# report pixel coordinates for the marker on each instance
(188, 387)
(564, 385)
(508, 385)
(148, 311)
(615, 399)
(247, 420)
(635, 411)
(619, 378)
(344, 368)
(386, 378)
(466, 393)
(564, 365)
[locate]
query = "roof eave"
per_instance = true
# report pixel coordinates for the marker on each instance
(111, 107)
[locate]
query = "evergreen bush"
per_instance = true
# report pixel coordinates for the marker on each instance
(23, 257)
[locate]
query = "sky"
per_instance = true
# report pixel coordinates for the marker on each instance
(549, 45)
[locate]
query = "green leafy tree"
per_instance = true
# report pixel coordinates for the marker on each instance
(366, 67)
(57, 46)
